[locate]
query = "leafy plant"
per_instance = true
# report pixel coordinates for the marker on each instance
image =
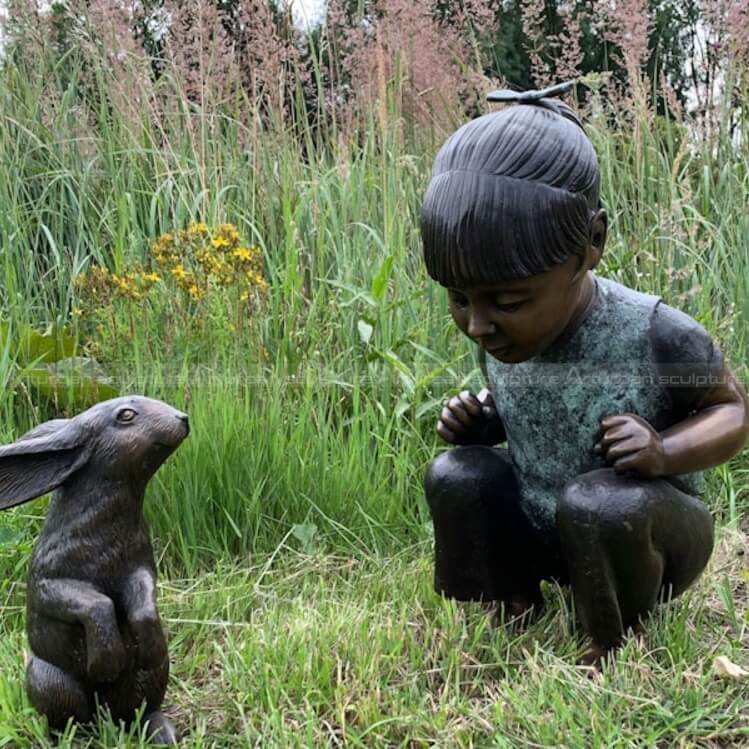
(47, 363)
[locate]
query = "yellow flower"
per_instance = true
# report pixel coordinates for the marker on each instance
(147, 280)
(163, 256)
(244, 254)
(125, 286)
(165, 240)
(220, 241)
(179, 272)
(195, 293)
(253, 278)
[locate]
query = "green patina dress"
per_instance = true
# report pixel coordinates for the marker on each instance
(631, 354)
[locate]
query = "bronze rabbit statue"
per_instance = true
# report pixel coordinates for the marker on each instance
(92, 621)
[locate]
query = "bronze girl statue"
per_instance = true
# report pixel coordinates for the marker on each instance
(611, 402)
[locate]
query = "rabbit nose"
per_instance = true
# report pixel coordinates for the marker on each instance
(184, 419)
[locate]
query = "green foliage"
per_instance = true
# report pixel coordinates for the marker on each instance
(46, 364)
(300, 649)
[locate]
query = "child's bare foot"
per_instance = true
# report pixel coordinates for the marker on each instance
(594, 656)
(522, 604)
(517, 611)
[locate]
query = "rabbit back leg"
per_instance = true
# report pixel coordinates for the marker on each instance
(161, 731)
(153, 682)
(135, 688)
(57, 694)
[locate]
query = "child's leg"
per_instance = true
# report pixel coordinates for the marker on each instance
(485, 548)
(626, 542)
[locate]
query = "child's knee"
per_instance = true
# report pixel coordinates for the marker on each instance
(604, 502)
(688, 545)
(582, 498)
(464, 474)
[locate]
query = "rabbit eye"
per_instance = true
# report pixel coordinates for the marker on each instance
(126, 414)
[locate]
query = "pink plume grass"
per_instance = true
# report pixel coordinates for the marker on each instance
(402, 49)
(627, 25)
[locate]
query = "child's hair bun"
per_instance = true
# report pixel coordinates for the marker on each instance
(531, 97)
(545, 98)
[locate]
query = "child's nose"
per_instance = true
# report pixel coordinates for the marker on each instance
(479, 324)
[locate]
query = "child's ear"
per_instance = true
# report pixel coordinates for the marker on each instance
(599, 229)
(599, 226)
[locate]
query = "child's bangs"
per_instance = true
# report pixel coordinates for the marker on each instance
(482, 229)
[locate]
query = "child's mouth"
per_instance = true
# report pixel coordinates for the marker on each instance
(499, 351)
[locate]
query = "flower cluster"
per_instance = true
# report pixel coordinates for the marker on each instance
(195, 260)
(97, 288)
(198, 259)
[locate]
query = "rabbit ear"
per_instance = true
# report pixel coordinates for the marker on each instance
(40, 461)
(47, 429)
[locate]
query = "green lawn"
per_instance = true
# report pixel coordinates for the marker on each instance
(320, 650)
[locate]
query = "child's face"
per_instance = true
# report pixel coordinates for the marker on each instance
(516, 320)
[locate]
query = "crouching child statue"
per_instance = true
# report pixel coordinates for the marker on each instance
(611, 402)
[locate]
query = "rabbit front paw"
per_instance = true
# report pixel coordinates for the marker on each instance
(105, 664)
(150, 641)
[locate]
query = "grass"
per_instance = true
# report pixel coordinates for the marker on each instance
(294, 545)
(327, 650)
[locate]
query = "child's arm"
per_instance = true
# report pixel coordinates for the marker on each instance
(714, 434)
(708, 438)
(712, 410)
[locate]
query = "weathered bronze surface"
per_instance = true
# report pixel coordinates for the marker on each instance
(93, 624)
(611, 402)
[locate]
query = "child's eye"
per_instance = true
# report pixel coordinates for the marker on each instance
(509, 307)
(458, 300)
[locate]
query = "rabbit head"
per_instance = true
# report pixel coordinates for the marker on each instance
(123, 439)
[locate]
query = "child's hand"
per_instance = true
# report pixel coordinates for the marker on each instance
(629, 443)
(467, 419)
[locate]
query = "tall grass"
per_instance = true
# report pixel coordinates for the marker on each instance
(332, 430)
